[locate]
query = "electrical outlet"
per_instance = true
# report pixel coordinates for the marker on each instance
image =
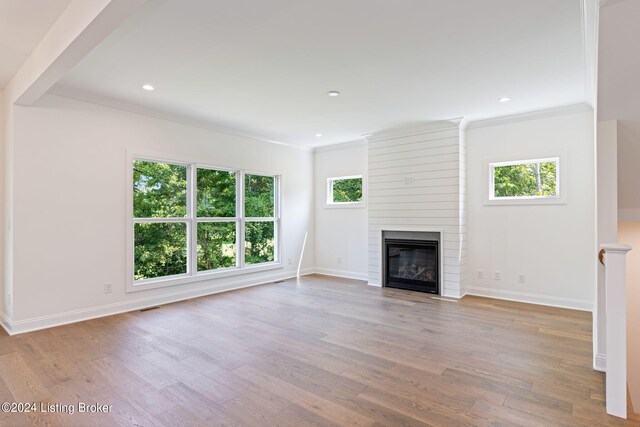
(521, 278)
(108, 287)
(480, 274)
(290, 261)
(497, 275)
(339, 260)
(9, 299)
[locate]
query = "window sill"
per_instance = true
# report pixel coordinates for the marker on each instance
(357, 205)
(526, 201)
(199, 277)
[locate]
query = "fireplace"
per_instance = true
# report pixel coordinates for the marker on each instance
(412, 264)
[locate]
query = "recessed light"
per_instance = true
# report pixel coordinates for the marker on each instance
(318, 135)
(333, 93)
(148, 87)
(504, 99)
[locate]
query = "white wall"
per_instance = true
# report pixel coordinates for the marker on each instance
(629, 234)
(340, 232)
(70, 205)
(553, 245)
(628, 135)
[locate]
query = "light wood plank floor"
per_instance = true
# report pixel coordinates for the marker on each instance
(318, 351)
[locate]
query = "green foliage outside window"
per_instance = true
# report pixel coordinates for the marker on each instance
(160, 191)
(216, 245)
(216, 193)
(525, 180)
(259, 196)
(259, 242)
(347, 190)
(160, 249)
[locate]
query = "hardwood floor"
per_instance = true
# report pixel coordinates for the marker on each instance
(318, 351)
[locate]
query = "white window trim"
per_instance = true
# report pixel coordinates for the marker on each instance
(329, 203)
(192, 274)
(561, 191)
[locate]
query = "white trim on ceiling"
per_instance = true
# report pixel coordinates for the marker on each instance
(67, 92)
(340, 146)
(531, 115)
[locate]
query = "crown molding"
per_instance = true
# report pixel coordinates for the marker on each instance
(83, 96)
(531, 115)
(427, 127)
(340, 146)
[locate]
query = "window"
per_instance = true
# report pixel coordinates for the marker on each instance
(216, 219)
(535, 179)
(191, 221)
(345, 191)
(260, 212)
(160, 224)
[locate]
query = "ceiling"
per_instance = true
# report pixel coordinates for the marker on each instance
(619, 90)
(264, 67)
(23, 23)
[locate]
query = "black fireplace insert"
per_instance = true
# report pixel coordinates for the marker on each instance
(412, 264)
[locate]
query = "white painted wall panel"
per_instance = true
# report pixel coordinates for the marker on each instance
(553, 245)
(414, 184)
(341, 233)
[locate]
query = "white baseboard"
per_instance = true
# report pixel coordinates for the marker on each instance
(377, 285)
(451, 293)
(574, 304)
(341, 273)
(307, 271)
(5, 322)
(59, 319)
(600, 362)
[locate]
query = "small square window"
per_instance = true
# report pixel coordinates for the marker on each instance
(535, 179)
(345, 191)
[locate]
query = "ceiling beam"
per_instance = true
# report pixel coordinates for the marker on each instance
(80, 28)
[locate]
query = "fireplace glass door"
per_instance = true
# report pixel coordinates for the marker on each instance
(412, 264)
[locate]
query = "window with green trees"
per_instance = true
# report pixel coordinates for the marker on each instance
(160, 219)
(259, 207)
(188, 220)
(525, 179)
(216, 212)
(345, 190)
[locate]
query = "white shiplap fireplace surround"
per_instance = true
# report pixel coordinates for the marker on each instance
(416, 182)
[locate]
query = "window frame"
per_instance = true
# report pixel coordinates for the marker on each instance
(192, 220)
(275, 218)
(329, 203)
(205, 220)
(558, 198)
